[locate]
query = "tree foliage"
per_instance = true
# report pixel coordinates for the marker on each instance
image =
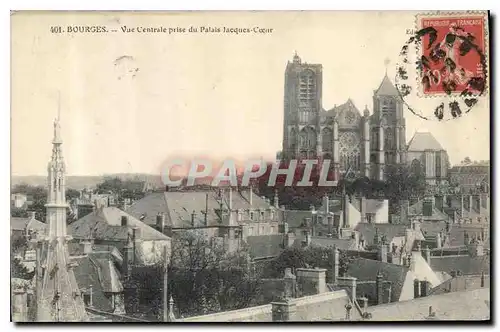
(205, 278)
(309, 257)
(129, 189)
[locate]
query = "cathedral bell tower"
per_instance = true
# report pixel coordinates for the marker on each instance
(388, 128)
(60, 299)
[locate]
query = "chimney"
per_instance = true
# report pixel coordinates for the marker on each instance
(462, 206)
(19, 306)
(128, 257)
(165, 284)
(424, 288)
(289, 239)
(311, 281)
(230, 199)
(283, 311)
(86, 246)
(136, 234)
(383, 249)
(329, 220)
(345, 211)
(167, 188)
(308, 239)
(333, 273)
(439, 240)
(251, 196)
(362, 208)
(326, 204)
(290, 283)
(416, 289)
(404, 208)
(32, 214)
(193, 215)
(427, 206)
(380, 288)
(349, 284)
(160, 221)
(471, 203)
(124, 221)
(439, 200)
(426, 254)
(276, 199)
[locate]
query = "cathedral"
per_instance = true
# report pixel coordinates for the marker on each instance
(351, 139)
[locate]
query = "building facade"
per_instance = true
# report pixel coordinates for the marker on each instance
(425, 152)
(363, 142)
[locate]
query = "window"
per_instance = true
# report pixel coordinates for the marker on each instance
(261, 215)
(271, 214)
(251, 215)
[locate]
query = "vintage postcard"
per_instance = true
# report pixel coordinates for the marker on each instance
(250, 166)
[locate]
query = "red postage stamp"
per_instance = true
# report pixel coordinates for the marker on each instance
(452, 56)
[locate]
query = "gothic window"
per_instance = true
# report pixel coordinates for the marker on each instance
(307, 138)
(293, 139)
(307, 86)
(388, 139)
(349, 151)
(327, 140)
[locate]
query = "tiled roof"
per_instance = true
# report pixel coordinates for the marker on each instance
(105, 224)
(468, 305)
(265, 246)
(466, 264)
(367, 270)
(20, 224)
(422, 141)
(386, 88)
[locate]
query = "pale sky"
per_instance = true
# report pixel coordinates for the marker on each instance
(210, 94)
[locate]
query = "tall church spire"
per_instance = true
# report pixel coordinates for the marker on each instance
(60, 299)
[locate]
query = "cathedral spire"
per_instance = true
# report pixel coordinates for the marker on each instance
(59, 299)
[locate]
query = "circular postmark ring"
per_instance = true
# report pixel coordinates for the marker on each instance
(449, 62)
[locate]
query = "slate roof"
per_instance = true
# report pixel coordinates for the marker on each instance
(295, 218)
(433, 228)
(367, 270)
(386, 88)
(178, 206)
(466, 264)
(105, 224)
(468, 305)
(265, 246)
(391, 231)
(417, 209)
(460, 284)
(100, 273)
(342, 110)
(20, 224)
(344, 244)
(371, 205)
(422, 141)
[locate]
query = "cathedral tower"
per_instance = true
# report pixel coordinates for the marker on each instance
(59, 299)
(388, 141)
(303, 86)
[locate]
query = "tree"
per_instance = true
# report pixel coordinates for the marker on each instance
(131, 189)
(205, 277)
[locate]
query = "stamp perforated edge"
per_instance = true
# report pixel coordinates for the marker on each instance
(486, 44)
